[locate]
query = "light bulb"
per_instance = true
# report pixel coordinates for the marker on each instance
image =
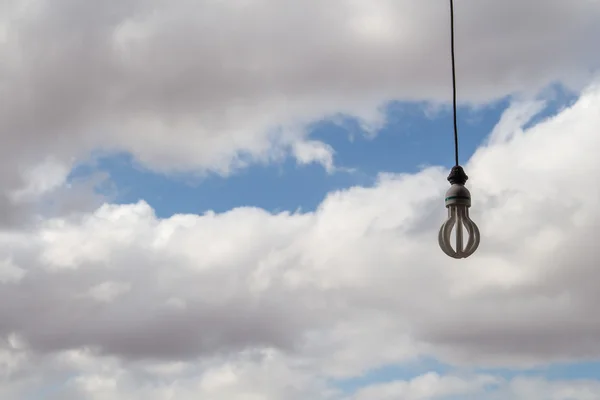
(458, 201)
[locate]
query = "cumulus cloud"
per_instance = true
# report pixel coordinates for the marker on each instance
(267, 375)
(357, 284)
(201, 86)
(118, 303)
(434, 386)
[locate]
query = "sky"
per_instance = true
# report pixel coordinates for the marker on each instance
(240, 200)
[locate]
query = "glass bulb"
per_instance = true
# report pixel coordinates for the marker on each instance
(458, 201)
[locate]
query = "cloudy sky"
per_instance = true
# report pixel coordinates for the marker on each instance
(240, 199)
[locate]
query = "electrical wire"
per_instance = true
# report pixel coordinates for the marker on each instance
(453, 82)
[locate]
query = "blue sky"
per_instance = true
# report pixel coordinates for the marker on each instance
(552, 372)
(414, 136)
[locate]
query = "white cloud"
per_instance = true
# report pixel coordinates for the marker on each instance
(118, 303)
(199, 86)
(9, 272)
(357, 284)
(484, 387)
(107, 292)
(428, 386)
(310, 151)
(41, 179)
(267, 375)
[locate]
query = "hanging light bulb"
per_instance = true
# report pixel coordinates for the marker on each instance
(458, 201)
(458, 198)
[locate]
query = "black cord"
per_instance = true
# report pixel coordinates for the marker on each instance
(457, 174)
(453, 82)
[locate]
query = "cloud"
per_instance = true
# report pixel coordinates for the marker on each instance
(108, 291)
(199, 86)
(269, 375)
(9, 272)
(118, 303)
(426, 386)
(357, 284)
(434, 386)
(310, 151)
(82, 375)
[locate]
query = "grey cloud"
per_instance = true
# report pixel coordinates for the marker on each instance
(354, 285)
(214, 85)
(362, 262)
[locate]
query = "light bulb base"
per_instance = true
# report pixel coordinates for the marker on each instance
(457, 176)
(458, 195)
